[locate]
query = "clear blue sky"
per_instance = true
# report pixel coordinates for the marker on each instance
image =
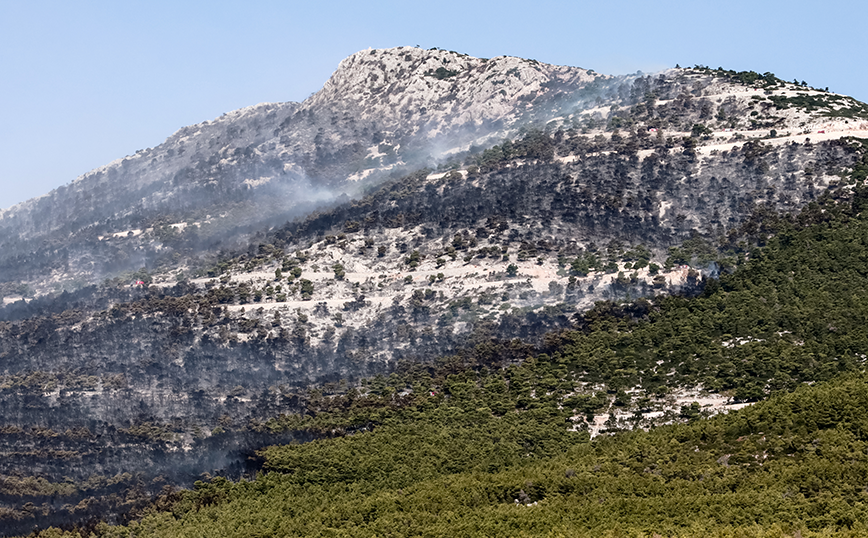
(83, 83)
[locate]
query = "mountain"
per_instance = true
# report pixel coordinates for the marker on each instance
(381, 111)
(497, 437)
(382, 114)
(162, 310)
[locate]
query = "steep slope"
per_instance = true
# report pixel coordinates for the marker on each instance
(265, 164)
(504, 242)
(213, 185)
(138, 379)
(503, 427)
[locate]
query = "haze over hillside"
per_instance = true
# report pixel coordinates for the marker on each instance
(424, 202)
(267, 163)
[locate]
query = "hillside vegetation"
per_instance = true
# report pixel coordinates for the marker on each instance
(493, 440)
(436, 268)
(794, 465)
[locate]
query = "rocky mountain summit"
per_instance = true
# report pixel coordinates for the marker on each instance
(421, 99)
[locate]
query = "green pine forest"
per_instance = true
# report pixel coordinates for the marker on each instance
(493, 441)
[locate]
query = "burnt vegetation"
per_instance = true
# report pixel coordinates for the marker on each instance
(114, 394)
(490, 425)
